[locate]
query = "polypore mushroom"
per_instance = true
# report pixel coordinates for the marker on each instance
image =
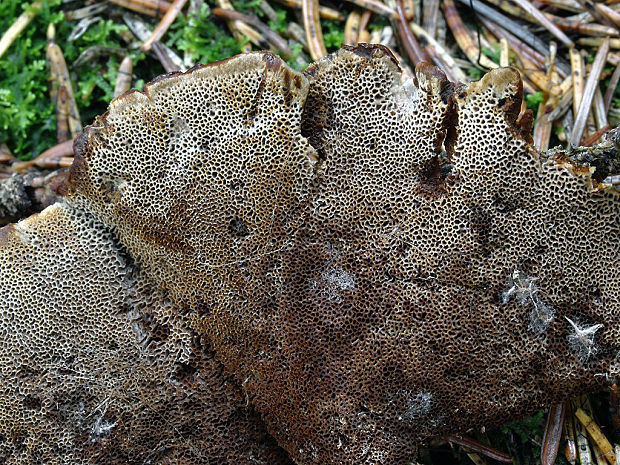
(98, 367)
(372, 259)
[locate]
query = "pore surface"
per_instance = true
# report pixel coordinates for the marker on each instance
(98, 367)
(374, 259)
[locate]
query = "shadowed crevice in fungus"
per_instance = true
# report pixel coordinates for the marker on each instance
(358, 259)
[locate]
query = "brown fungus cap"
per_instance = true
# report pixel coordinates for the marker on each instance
(391, 291)
(200, 170)
(374, 259)
(98, 367)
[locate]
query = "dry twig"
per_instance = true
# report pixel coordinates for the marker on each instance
(588, 93)
(312, 26)
(164, 24)
(18, 26)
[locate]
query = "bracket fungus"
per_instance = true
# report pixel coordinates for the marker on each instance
(340, 259)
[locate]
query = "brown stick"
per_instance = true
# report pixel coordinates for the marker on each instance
(364, 35)
(255, 37)
(164, 24)
(567, 5)
(510, 8)
(539, 78)
(85, 12)
(430, 14)
(590, 123)
(527, 6)
(593, 139)
(168, 65)
(562, 106)
(613, 59)
(578, 79)
(614, 405)
(528, 58)
(239, 30)
(60, 77)
(50, 158)
(170, 60)
(375, 6)
(410, 9)
(272, 37)
(553, 434)
(268, 10)
(476, 446)
(416, 54)
(519, 46)
(504, 54)
(570, 450)
(351, 28)
(62, 115)
(584, 451)
(589, 6)
(597, 41)
(296, 32)
(18, 26)
(609, 13)
(598, 104)
(526, 36)
(64, 149)
(588, 94)
(613, 83)
(324, 12)
(591, 29)
(312, 26)
(577, 27)
(542, 134)
(154, 8)
(439, 54)
(596, 434)
(123, 80)
(461, 34)
(5, 154)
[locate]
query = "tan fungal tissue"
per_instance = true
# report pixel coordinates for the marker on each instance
(254, 265)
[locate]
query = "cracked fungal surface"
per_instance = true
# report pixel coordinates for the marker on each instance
(372, 259)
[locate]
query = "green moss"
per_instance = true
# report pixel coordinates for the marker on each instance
(333, 34)
(204, 39)
(27, 123)
(532, 101)
(493, 53)
(27, 115)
